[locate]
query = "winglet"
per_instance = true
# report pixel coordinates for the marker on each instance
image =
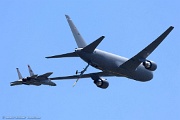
(91, 47)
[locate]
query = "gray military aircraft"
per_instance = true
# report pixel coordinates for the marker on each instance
(33, 79)
(137, 68)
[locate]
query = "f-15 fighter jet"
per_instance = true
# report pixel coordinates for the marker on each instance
(34, 79)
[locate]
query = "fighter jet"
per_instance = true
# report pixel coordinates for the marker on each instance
(33, 79)
(138, 67)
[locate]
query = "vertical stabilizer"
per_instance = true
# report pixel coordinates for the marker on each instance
(19, 74)
(30, 71)
(79, 40)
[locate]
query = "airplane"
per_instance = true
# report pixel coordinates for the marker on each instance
(34, 79)
(138, 67)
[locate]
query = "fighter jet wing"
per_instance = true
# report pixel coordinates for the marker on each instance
(135, 61)
(101, 74)
(34, 76)
(46, 75)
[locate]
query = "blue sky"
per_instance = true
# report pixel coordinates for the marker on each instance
(33, 29)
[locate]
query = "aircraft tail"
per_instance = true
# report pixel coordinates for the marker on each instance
(72, 54)
(30, 71)
(91, 47)
(19, 74)
(79, 40)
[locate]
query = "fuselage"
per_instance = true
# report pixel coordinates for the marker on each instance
(110, 63)
(39, 82)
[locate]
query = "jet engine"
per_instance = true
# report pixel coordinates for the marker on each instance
(150, 65)
(101, 83)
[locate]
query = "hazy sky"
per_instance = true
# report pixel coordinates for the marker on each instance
(30, 30)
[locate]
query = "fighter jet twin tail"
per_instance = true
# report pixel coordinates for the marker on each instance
(138, 67)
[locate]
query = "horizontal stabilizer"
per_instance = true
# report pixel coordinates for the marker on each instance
(91, 47)
(72, 54)
(16, 83)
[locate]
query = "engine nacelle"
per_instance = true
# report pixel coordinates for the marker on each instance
(150, 65)
(101, 83)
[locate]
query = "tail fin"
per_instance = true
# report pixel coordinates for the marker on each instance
(79, 40)
(19, 74)
(30, 71)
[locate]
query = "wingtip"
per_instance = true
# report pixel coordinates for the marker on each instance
(11, 84)
(51, 72)
(67, 16)
(172, 27)
(47, 57)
